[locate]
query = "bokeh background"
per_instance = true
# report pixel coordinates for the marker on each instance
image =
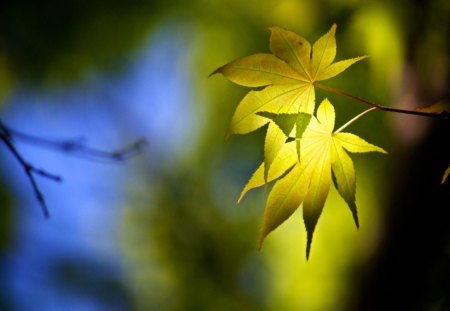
(162, 231)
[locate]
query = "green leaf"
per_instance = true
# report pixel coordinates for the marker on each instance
(303, 168)
(276, 99)
(318, 191)
(259, 70)
(323, 52)
(288, 76)
(336, 68)
(326, 115)
(318, 137)
(322, 153)
(355, 144)
(285, 159)
(344, 174)
(275, 139)
(300, 127)
(285, 121)
(293, 49)
(286, 196)
(301, 124)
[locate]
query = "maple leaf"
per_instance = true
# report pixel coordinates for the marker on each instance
(307, 182)
(288, 76)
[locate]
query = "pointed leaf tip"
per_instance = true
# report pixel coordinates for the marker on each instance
(344, 177)
(355, 215)
(260, 243)
(355, 144)
(326, 114)
(214, 72)
(308, 244)
(323, 52)
(336, 68)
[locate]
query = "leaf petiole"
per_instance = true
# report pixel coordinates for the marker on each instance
(355, 118)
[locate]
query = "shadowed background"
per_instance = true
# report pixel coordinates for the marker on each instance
(162, 231)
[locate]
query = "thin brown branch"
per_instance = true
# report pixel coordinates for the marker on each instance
(444, 116)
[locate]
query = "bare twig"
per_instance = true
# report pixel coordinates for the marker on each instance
(29, 170)
(75, 146)
(7, 136)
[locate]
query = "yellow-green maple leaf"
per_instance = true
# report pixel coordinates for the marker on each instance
(308, 182)
(288, 76)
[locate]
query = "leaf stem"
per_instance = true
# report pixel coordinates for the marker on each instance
(443, 116)
(355, 118)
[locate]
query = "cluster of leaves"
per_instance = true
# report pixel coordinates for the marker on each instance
(302, 151)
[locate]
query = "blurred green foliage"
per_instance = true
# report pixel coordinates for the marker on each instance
(188, 253)
(51, 42)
